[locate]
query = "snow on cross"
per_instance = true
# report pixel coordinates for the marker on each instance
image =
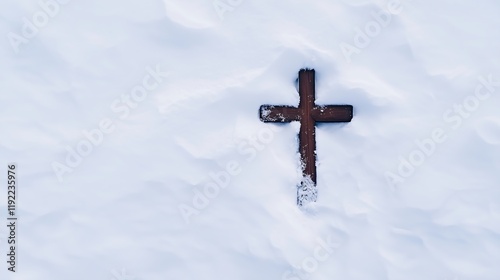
(308, 113)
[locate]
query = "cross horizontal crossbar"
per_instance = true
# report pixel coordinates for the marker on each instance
(326, 113)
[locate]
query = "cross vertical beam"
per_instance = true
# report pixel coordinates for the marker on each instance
(307, 124)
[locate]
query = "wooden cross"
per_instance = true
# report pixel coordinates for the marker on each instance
(308, 113)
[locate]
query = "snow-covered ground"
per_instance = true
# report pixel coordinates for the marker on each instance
(141, 155)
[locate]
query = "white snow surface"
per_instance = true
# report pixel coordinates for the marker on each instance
(142, 203)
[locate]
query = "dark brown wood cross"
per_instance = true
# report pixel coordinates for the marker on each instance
(308, 114)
